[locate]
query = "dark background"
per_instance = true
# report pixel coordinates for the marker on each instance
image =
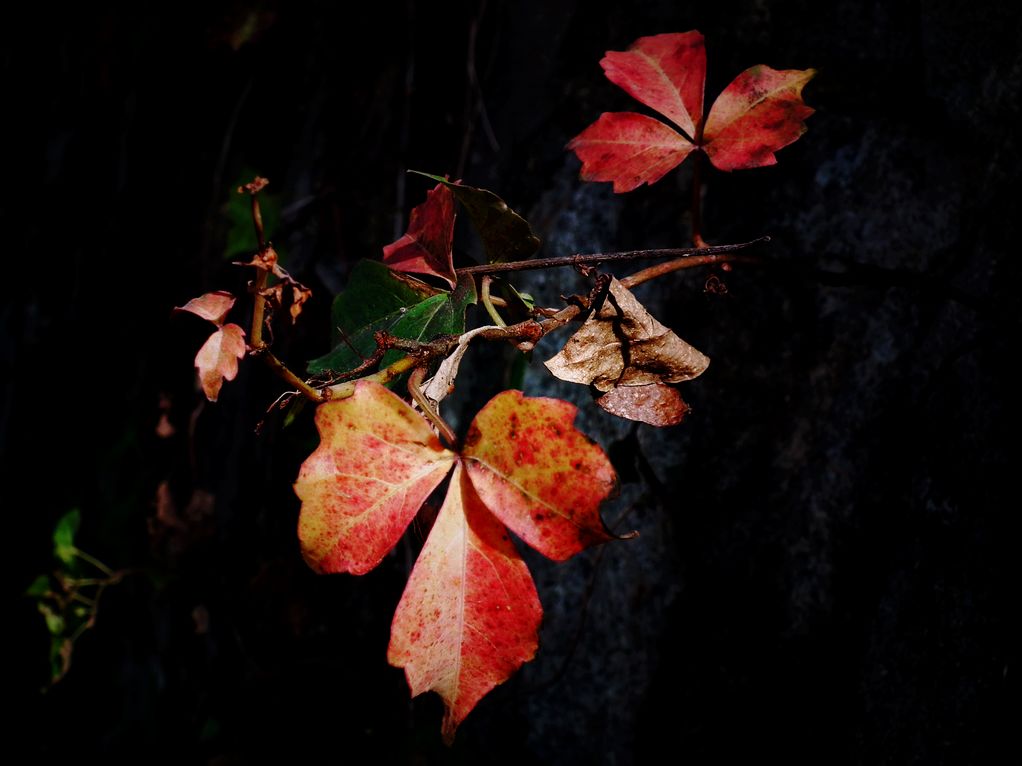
(824, 566)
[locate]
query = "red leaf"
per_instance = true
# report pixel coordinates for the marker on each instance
(211, 306)
(538, 474)
(629, 149)
(376, 463)
(426, 247)
(469, 616)
(664, 72)
(757, 114)
(656, 404)
(217, 360)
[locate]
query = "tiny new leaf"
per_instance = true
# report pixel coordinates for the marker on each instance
(217, 360)
(760, 112)
(426, 247)
(506, 235)
(469, 615)
(621, 344)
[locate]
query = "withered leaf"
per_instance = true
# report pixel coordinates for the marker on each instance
(656, 404)
(623, 345)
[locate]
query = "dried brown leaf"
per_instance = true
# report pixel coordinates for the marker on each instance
(655, 404)
(623, 345)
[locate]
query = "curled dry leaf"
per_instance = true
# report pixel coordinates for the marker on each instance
(211, 306)
(426, 248)
(267, 260)
(217, 360)
(623, 345)
(656, 404)
(470, 615)
(440, 386)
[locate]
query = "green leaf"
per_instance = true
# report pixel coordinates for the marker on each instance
(506, 235)
(378, 300)
(40, 587)
(54, 622)
(64, 536)
(241, 237)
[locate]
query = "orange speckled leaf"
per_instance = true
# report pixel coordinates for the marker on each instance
(665, 72)
(538, 474)
(211, 306)
(629, 149)
(760, 112)
(376, 463)
(426, 247)
(217, 360)
(469, 616)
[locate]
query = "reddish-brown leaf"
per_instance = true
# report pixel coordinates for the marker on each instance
(629, 149)
(426, 247)
(757, 114)
(376, 463)
(211, 306)
(217, 360)
(538, 474)
(655, 404)
(664, 72)
(469, 616)
(621, 344)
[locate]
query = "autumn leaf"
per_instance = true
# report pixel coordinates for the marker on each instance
(211, 306)
(621, 344)
(760, 112)
(426, 248)
(506, 235)
(376, 463)
(655, 404)
(469, 616)
(538, 474)
(217, 360)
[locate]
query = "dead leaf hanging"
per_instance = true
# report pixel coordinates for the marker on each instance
(621, 344)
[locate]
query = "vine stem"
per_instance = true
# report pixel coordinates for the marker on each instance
(415, 389)
(262, 275)
(592, 259)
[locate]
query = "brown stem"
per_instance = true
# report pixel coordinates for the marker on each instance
(697, 194)
(597, 258)
(262, 275)
(289, 377)
(415, 389)
(683, 263)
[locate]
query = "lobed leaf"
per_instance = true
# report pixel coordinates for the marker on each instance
(426, 248)
(506, 235)
(538, 474)
(376, 463)
(377, 299)
(629, 149)
(211, 306)
(217, 360)
(666, 73)
(469, 616)
(760, 112)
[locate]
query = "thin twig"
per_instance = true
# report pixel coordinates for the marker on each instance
(591, 259)
(683, 263)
